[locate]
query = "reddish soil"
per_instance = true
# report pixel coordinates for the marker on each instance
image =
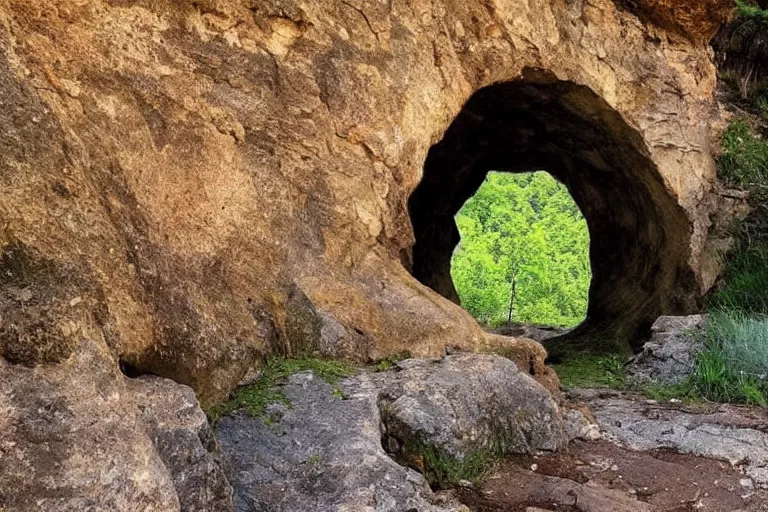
(602, 477)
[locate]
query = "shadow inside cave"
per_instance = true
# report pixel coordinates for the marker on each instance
(638, 231)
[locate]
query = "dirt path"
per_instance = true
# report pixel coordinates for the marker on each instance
(651, 457)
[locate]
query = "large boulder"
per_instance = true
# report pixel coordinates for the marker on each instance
(468, 404)
(323, 452)
(80, 436)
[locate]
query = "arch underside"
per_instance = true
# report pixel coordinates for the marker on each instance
(639, 233)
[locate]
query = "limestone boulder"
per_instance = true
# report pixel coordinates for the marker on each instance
(467, 404)
(669, 356)
(80, 436)
(324, 452)
(338, 448)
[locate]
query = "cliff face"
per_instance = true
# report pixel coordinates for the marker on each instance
(191, 185)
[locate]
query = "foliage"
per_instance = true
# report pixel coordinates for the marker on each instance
(590, 371)
(751, 12)
(733, 367)
(253, 399)
(443, 471)
(742, 48)
(523, 229)
(744, 282)
(745, 156)
(388, 362)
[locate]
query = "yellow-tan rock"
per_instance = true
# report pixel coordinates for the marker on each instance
(192, 185)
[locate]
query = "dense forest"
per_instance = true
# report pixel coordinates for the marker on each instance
(524, 252)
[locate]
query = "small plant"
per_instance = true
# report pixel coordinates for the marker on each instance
(389, 362)
(591, 371)
(255, 398)
(745, 155)
(443, 471)
(733, 367)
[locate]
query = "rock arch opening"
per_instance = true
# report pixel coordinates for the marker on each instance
(638, 231)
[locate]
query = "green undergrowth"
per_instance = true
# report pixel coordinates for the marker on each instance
(389, 362)
(744, 160)
(733, 367)
(752, 12)
(254, 398)
(444, 471)
(583, 370)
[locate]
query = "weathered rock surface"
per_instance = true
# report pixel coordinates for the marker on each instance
(202, 174)
(325, 453)
(322, 453)
(83, 437)
(192, 185)
(669, 356)
(184, 441)
(468, 403)
(641, 425)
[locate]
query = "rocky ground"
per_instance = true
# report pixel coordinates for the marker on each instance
(650, 457)
(364, 443)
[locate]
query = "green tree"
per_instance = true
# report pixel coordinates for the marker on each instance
(524, 252)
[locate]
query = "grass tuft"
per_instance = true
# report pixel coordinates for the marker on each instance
(733, 367)
(444, 471)
(591, 371)
(744, 160)
(255, 398)
(389, 362)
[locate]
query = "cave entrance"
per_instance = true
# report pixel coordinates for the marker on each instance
(638, 232)
(524, 253)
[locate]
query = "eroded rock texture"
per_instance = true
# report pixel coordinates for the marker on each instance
(191, 185)
(326, 451)
(200, 175)
(80, 436)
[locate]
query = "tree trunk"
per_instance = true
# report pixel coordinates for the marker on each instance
(512, 299)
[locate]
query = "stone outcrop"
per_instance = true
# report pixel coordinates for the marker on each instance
(80, 436)
(326, 449)
(196, 176)
(321, 453)
(189, 186)
(468, 404)
(735, 436)
(669, 356)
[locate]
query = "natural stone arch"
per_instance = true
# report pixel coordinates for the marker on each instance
(640, 235)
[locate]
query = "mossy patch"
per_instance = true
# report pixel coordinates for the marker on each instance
(583, 370)
(684, 391)
(254, 399)
(390, 361)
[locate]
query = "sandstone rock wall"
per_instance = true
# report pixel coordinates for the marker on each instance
(182, 180)
(191, 185)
